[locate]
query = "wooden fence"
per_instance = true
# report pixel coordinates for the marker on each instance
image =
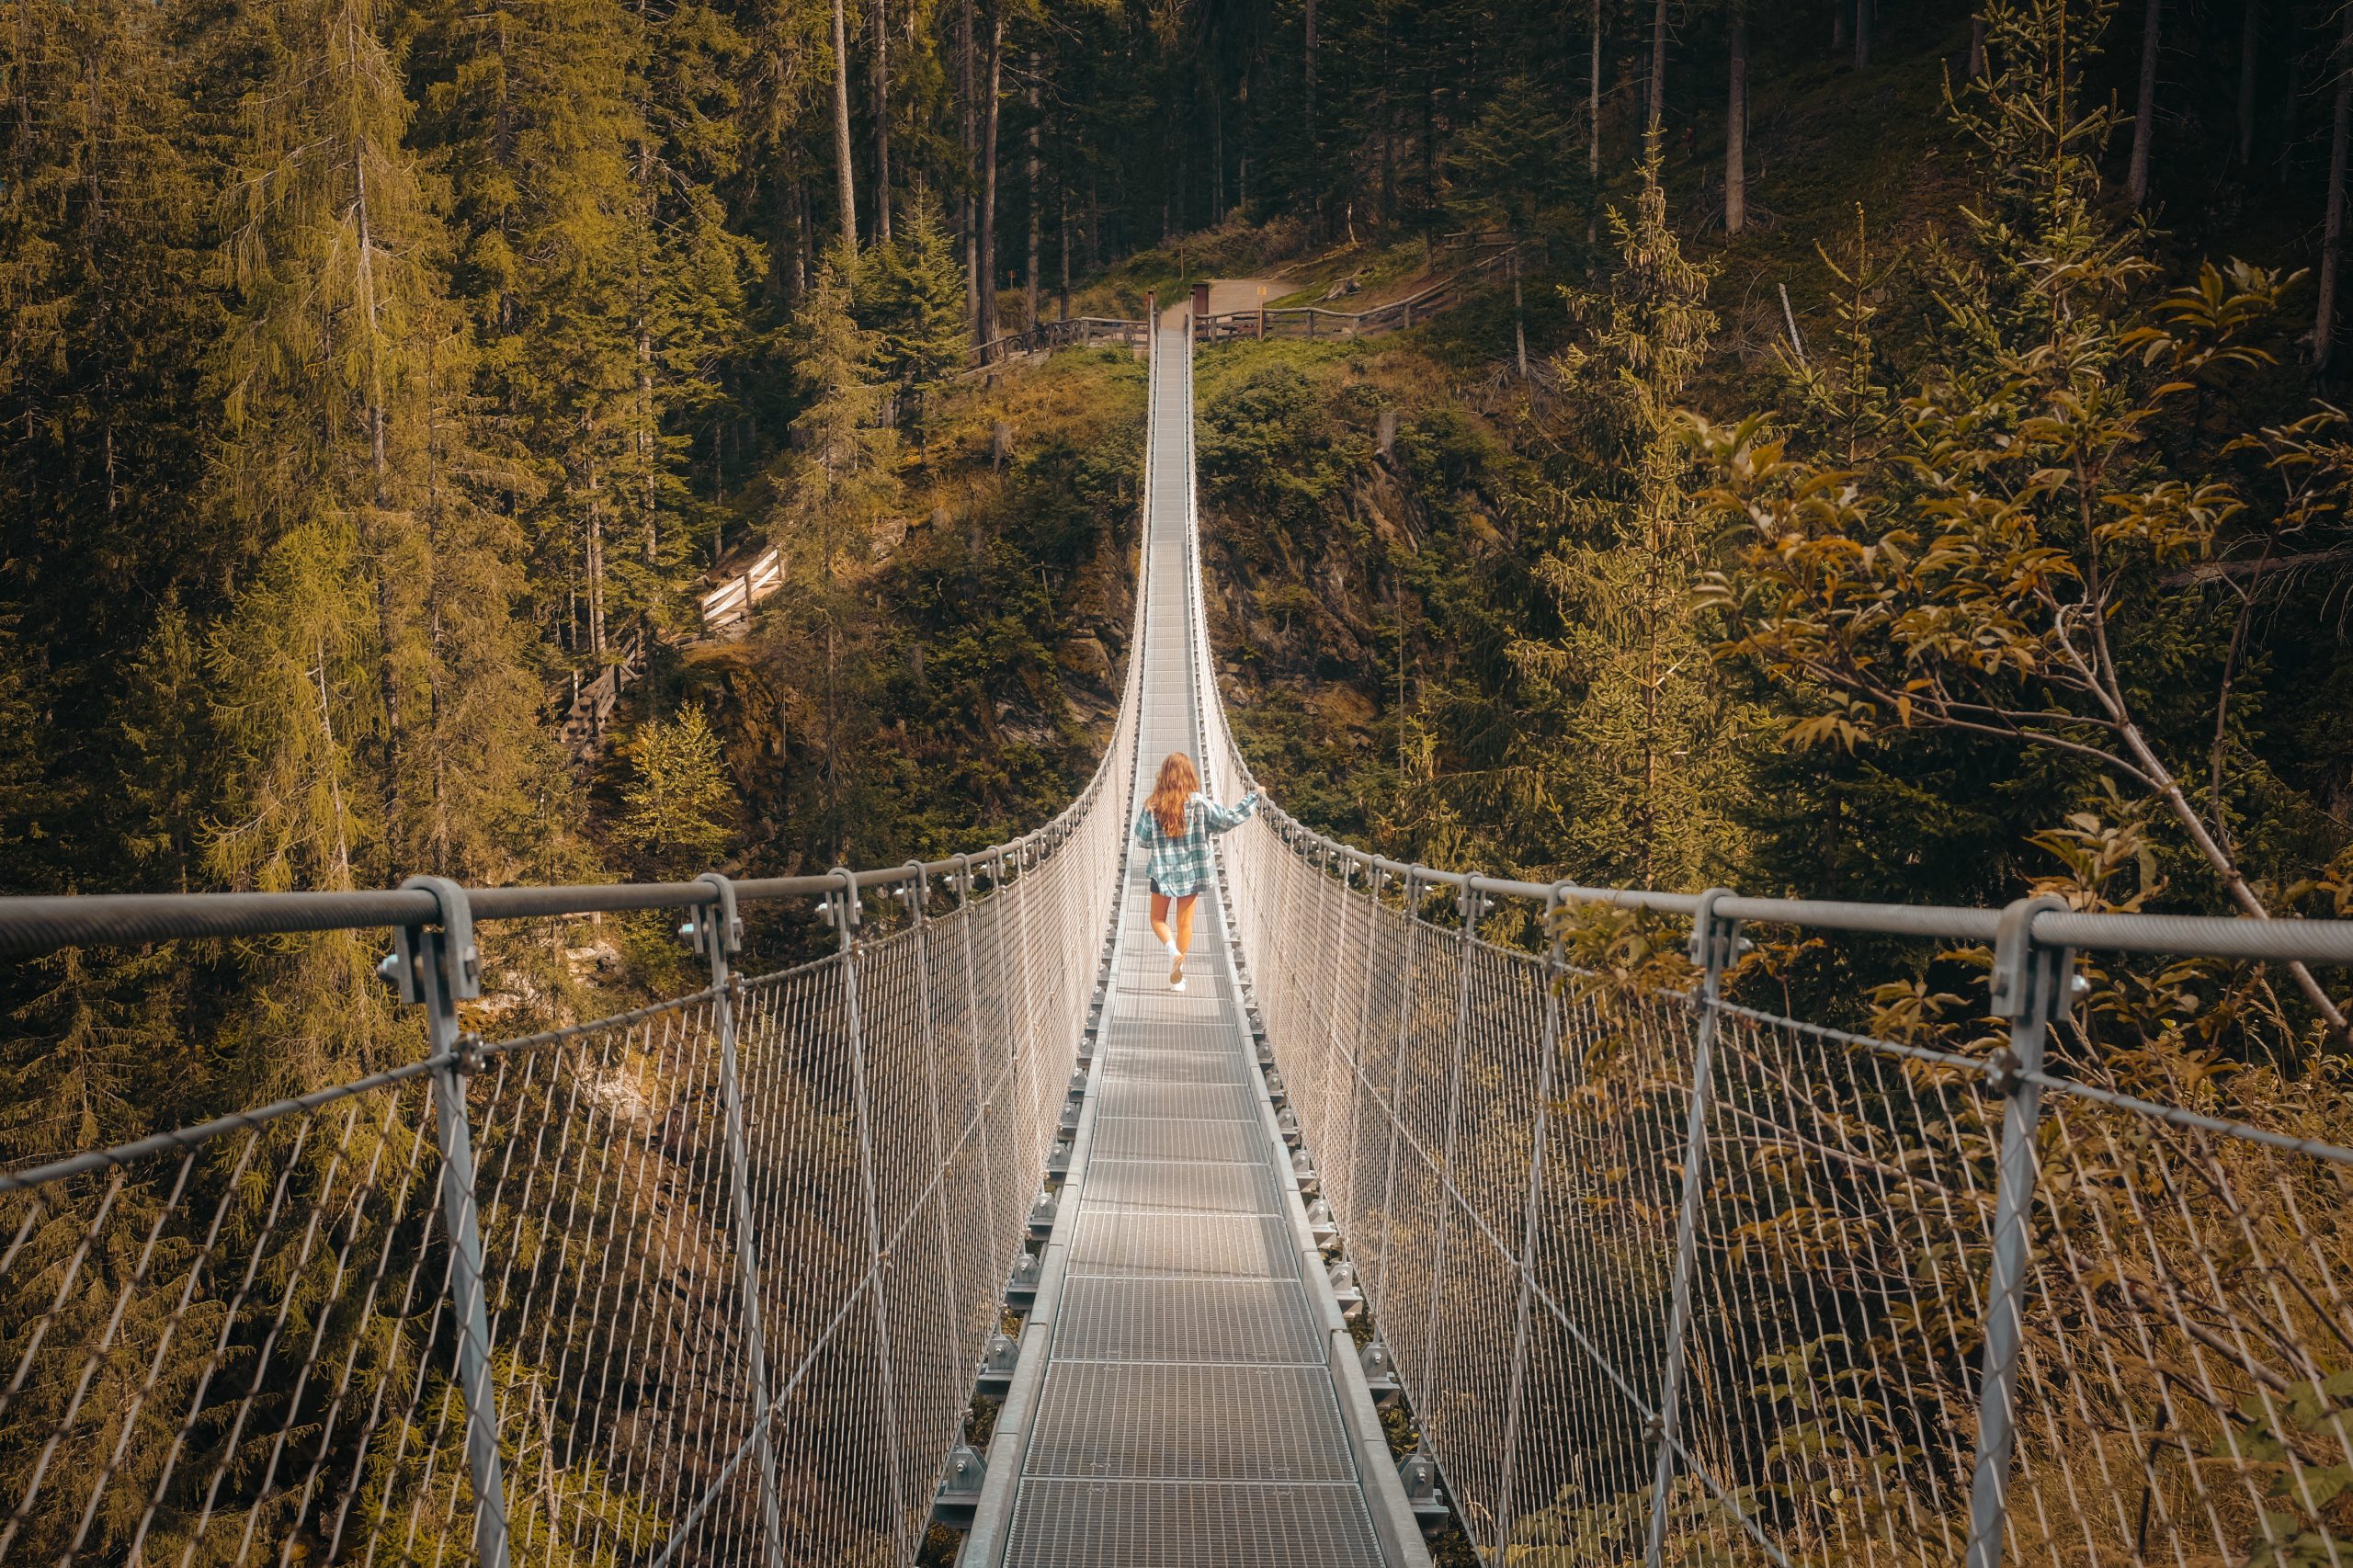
(1049, 334)
(1315, 322)
(592, 701)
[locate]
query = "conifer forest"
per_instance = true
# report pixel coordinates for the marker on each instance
(1857, 449)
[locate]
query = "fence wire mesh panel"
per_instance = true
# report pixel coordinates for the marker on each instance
(219, 1350)
(1504, 1146)
(703, 1283)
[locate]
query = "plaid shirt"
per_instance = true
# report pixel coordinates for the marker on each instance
(1181, 864)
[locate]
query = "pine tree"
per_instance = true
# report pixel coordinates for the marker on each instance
(1642, 769)
(833, 488)
(680, 800)
(104, 315)
(915, 300)
(373, 702)
(533, 111)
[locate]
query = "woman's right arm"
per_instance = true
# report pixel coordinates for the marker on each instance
(1225, 819)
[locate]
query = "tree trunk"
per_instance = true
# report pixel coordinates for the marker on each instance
(972, 146)
(1656, 120)
(1037, 206)
(1061, 191)
(1839, 10)
(1977, 48)
(1518, 318)
(1218, 209)
(596, 569)
(2289, 100)
(804, 239)
(1315, 153)
(848, 187)
(2331, 253)
(1862, 35)
(882, 122)
(986, 327)
(1593, 102)
(1736, 121)
(2144, 112)
(2250, 54)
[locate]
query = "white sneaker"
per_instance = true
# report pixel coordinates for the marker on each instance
(1177, 972)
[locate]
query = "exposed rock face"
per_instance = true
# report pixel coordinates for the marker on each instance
(1085, 655)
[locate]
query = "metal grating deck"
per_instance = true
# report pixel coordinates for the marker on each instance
(1189, 1415)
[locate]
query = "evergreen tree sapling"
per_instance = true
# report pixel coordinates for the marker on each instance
(679, 799)
(1638, 762)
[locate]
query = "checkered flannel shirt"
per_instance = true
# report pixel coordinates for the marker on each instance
(1181, 864)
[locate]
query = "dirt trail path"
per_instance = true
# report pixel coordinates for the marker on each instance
(1232, 294)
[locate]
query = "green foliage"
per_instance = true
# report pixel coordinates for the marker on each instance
(1271, 439)
(1511, 160)
(1637, 770)
(914, 301)
(2000, 564)
(679, 801)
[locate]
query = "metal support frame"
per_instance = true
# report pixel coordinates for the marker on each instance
(716, 932)
(1515, 1395)
(2032, 987)
(1473, 904)
(1412, 891)
(963, 875)
(844, 909)
(437, 967)
(1715, 941)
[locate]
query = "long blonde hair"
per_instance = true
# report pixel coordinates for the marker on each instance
(1175, 785)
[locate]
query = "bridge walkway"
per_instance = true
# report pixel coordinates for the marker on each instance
(1189, 1395)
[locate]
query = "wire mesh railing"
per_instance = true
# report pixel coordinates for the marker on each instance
(705, 1282)
(1669, 1279)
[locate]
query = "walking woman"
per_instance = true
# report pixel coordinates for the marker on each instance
(1175, 824)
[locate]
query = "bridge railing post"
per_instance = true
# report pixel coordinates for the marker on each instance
(2030, 986)
(1514, 1394)
(844, 909)
(1473, 904)
(1714, 942)
(716, 932)
(1412, 891)
(436, 967)
(916, 890)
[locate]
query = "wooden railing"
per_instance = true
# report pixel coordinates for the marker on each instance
(1313, 321)
(727, 608)
(1046, 334)
(592, 701)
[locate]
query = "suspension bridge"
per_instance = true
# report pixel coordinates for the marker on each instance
(970, 1241)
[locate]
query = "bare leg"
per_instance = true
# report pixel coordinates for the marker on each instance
(1185, 922)
(1160, 918)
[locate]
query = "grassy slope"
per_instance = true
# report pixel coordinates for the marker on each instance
(989, 638)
